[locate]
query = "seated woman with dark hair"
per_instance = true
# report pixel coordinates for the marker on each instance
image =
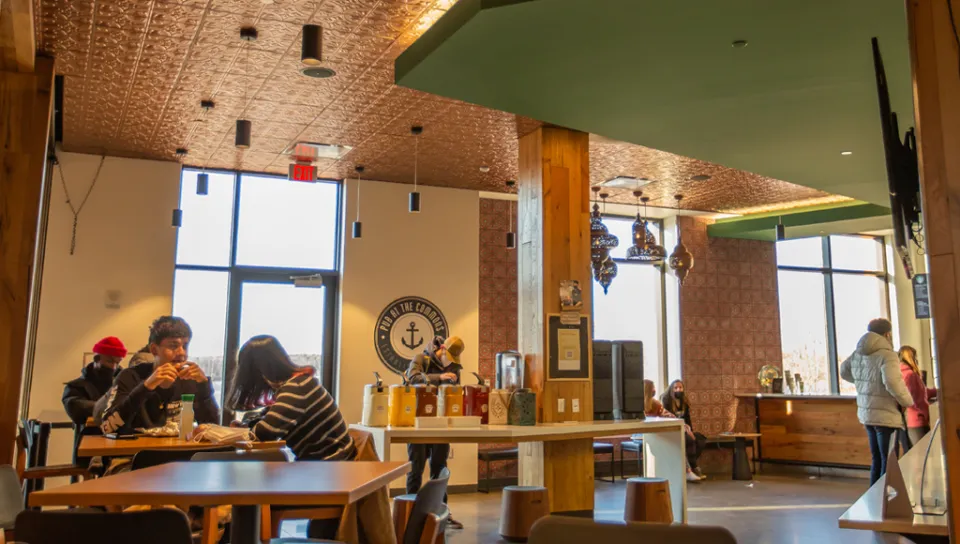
(653, 408)
(675, 401)
(298, 409)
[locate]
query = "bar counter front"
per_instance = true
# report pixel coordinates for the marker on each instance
(813, 430)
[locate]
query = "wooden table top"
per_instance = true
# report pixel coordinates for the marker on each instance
(93, 446)
(314, 483)
(737, 435)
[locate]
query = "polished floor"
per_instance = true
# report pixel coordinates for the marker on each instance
(769, 510)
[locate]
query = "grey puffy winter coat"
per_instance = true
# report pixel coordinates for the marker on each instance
(875, 369)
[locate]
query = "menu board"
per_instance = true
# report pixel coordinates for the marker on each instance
(921, 296)
(568, 348)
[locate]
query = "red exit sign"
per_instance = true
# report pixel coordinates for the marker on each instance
(302, 172)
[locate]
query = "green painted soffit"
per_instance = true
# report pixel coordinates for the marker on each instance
(763, 226)
(663, 74)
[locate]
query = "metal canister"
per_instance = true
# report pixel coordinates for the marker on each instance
(476, 400)
(376, 402)
(426, 400)
(450, 401)
(523, 408)
(403, 406)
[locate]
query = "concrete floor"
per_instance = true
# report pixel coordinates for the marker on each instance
(769, 510)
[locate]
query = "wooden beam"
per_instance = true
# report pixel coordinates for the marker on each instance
(17, 36)
(26, 103)
(936, 98)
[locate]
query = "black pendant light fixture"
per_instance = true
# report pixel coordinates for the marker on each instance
(203, 184)
(681, 260)
(244, 130)
(414, 201)
(357, 225)
(781, 231)
(311, 46)
(511, 236)
(601, 242)
(177, 220)
(645, 247)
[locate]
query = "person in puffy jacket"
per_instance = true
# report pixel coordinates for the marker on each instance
(80, 395)
(918, 415)
(875, 369)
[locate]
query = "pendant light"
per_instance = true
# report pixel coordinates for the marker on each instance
(311, 45)
(414, 201)
(781, 231)
(357, 225)
(681, 260)
(203, 183)
(645, 247)
(511, 236)
(244, 130)
(601, 241)
(608, 270)
(177, 220)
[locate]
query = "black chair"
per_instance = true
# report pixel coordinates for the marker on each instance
(11, 500)
(152, 458)
(634, 445)
(571, 530)
(428, 517)
(602, 448)
(162, 526)
(279, 455)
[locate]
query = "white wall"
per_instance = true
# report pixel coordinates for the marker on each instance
(124, 243)
(911, 331)
(435, 255)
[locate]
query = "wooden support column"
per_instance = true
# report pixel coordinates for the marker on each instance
(554, 232)
(26, 102)
(936, 97)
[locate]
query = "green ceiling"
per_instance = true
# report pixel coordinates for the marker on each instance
(663, 74)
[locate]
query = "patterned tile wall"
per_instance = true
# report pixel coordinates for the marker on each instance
(730, 328)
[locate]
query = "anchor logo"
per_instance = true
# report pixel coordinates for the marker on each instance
(414, 343)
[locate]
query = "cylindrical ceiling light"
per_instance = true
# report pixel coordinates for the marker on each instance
(177, 220)
(203, 183)
(357, 225)
(244, 130)
(511, 236)
(311, 46)
(781, 231)
(414, 201)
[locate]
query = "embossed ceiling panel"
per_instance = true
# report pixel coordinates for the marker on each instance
(136, 72)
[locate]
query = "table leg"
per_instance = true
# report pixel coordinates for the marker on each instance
(741, 465)
(665, 457)
(565, 468)
(245, 526)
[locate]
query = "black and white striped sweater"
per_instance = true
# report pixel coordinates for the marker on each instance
(306, 417)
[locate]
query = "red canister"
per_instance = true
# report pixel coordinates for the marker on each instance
(476, 400)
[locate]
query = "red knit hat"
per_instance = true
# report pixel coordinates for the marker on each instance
(110, 345)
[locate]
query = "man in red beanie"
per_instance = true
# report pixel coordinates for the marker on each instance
(81, 395)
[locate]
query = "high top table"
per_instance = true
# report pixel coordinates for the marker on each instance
(95, 445)
(572, 491)
(244, 484)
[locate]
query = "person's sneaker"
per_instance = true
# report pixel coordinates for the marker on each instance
(691, 477)
(454, 524)
(699, 473)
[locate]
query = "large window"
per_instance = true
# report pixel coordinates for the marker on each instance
(830, 287)
(257, 255)
(632, 309)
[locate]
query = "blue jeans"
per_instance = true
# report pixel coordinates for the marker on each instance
(879, 448)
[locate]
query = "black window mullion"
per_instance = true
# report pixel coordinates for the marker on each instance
(830, 309)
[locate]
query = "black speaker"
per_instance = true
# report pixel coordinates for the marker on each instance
(628, 356)
(602, 379)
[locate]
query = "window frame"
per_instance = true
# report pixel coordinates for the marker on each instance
(828, 272)
(238, 274)
(662, 351)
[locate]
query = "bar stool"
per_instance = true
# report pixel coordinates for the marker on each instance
(648, 500)
(520, 508)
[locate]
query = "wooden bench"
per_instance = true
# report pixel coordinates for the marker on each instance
(495, 454)
(738, 442)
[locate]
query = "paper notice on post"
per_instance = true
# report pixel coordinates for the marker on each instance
(568, 350)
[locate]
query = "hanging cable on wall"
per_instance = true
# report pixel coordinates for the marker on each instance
(76, 210)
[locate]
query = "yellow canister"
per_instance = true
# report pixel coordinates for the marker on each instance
(376, 402)
(403, 406)
(499, 405)
(450, 401)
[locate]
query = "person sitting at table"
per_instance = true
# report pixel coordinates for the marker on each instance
(148, 395)
(299, 410)
(653, 408)
(675, 401)
(80, 395)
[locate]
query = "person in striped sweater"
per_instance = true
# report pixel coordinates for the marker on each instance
(298, 409)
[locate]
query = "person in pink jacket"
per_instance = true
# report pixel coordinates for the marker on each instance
(918, 415)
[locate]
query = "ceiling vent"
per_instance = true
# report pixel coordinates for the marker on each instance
(626, 182)
(310, 151)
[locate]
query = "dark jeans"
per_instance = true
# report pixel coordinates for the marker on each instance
(418, 454)
(879, 448)
(694, 447)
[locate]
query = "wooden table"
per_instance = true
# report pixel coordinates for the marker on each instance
(244, 484)
(93, 446)
(663, 444)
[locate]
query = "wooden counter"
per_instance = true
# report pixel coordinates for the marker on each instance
(809, 430)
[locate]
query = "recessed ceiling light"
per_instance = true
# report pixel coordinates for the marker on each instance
(484, 169)
(700, 177)
(626, 182)
(739, 44)
(318, 72)
(846, 153)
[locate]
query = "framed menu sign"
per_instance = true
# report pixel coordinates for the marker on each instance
(568, 348)
(921, 296)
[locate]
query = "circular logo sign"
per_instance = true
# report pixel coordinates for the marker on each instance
(405, 328)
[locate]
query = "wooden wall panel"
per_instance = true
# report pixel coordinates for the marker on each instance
(936, 98)
(26, 101)
(813, 431)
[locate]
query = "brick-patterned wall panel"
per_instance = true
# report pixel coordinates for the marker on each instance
(730, 328)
